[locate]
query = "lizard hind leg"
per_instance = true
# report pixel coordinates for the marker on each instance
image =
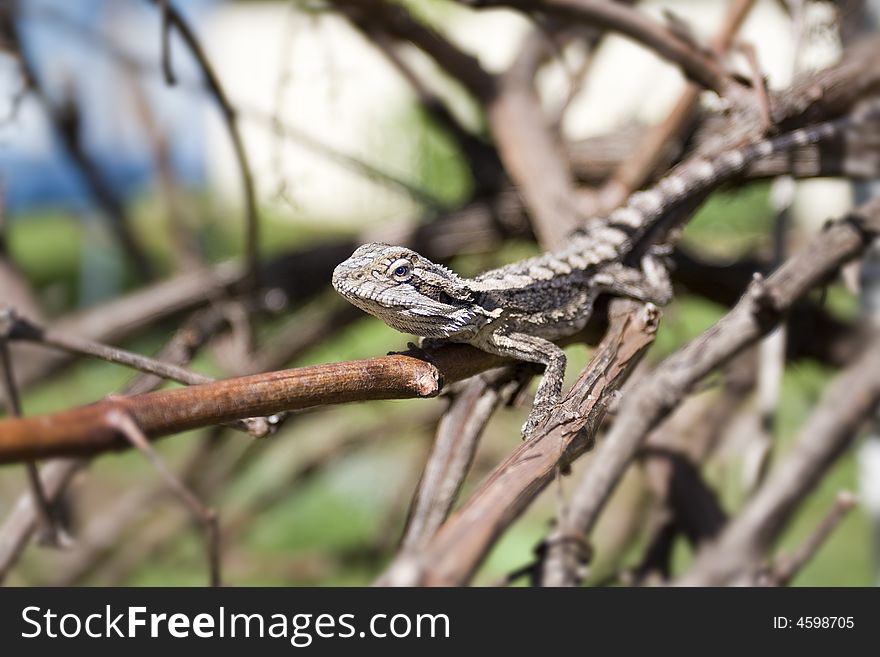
(649, 283)
(534, 350)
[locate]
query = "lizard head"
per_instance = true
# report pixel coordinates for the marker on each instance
(406, 291)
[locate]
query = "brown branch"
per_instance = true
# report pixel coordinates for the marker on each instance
(458, 435)
(208, 517)
(86, 430)
(663, 140)
(464, 540)
(785, 568)
(20, 328)
(21, 524)
(533, 156)
(22, 521)
(252, 221)
(654, 398)
(846, 405)
(619, 17)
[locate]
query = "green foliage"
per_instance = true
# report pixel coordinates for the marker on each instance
(432, 12)
(732, 223)
(47, 250)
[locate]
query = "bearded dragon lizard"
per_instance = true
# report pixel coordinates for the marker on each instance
(520, 309)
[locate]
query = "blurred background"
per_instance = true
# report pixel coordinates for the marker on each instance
(112, 180)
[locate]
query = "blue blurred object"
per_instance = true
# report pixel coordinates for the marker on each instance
(93, 50)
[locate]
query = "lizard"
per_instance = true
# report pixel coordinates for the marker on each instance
(520, 309)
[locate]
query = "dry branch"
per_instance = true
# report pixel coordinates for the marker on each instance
(533, 156)
(458, 434)
(785, 567)
(171, 17)
(846, 405)
(21, 522)
(86, 430)
(619, 17)
(464, 540)
(180, 349)
(662, 142)
(655, 397)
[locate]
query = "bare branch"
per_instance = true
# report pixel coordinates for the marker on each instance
(208, 517)
(786, 568)
(458, 434)
(464, 540)
(533, 156)
(844, 408)
(663, 140)
(173, 17)
(695, 64)
(655, 397)
(86, 430)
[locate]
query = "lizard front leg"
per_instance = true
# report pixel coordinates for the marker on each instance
(534, 350)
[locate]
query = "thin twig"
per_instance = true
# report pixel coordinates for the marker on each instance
(208, 517)
(786, 568)
(167, 69)
(23, 329)
(53, 533)
(230, 117)
(695, 64)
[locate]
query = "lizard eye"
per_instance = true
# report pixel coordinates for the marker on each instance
(401, 270)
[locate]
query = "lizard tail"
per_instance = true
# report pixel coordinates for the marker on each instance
(688, 180)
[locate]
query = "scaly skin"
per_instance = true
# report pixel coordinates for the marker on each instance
(518, 310)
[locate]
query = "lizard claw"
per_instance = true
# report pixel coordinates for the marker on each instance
(415, 351)
(539, 418)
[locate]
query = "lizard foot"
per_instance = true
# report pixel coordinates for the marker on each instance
(414, 350)
(536, 420)
(539, 418)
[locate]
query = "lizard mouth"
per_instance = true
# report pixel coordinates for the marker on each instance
(355, 293)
